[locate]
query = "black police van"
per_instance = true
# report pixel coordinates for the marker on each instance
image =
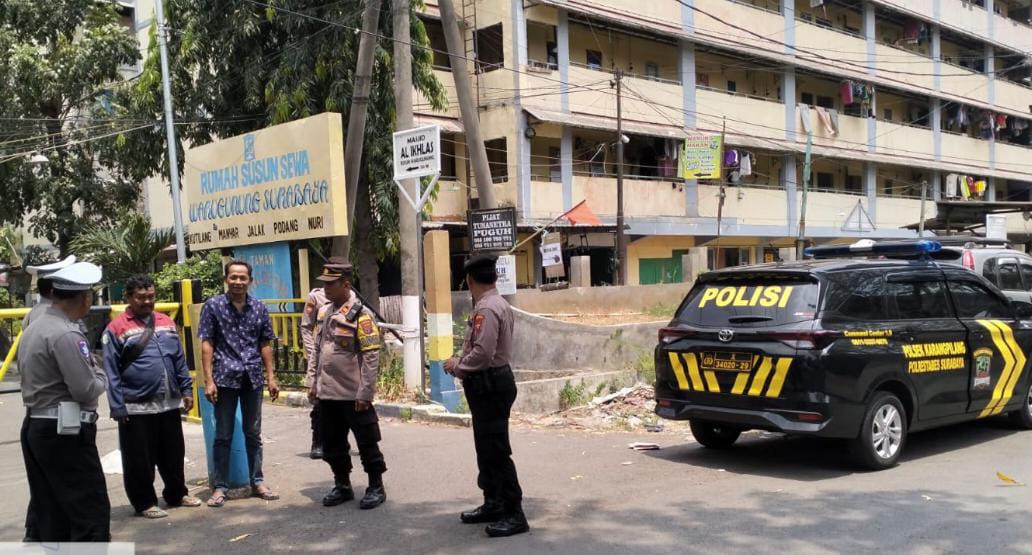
(862, 349)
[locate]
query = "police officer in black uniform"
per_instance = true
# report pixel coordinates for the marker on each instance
(490, 390)
(60, 384)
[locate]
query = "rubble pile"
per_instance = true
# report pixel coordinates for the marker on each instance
(630, 409)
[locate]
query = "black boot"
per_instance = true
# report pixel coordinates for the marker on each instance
(317, 451)
(375, 495)
(340, 493)
(513, 523)
(490, 511)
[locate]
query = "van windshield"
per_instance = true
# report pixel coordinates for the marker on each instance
(750, 302)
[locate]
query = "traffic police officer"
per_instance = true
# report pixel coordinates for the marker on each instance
(316, 299)
(343, 381)
(60, 384)
(44, 285)
(490, 390)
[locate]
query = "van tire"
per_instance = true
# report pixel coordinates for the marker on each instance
(713, 435)
(883, 433)
(1022, 418)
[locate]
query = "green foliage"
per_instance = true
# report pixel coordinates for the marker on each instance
(124, 249)
(237, 67)
(645, 367)
(661, 310)
(60, 60)
(572, 395)
(390, 380)
(207, 268)
(463, 406)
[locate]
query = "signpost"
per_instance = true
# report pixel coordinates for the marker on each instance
(417, 153)
(492, 229)
(700, 157)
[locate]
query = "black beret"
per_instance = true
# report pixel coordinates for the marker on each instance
(478, 261)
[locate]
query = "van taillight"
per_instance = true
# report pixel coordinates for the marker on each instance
(669, 335)
(968, 260)
(805, 339)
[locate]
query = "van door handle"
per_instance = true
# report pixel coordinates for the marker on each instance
(907, 336)
(978, 335)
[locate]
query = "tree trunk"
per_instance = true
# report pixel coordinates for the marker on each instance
(357, 119)
(366, 265)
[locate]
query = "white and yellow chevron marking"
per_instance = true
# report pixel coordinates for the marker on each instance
(1013, 364)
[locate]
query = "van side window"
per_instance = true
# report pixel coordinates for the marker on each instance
(920, 300)
(1008, 273)
(975, 301)
(856, 296)
(989, 269)
(1026, 274)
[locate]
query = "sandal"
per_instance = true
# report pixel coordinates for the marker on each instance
(153, 512)
(189, 501)
(217, 499)
(265, 493)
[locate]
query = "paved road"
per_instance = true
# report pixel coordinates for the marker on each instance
(769, 494)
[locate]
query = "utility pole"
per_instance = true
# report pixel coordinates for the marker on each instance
(620, 277)
(170, 133)
(800, 240)
(722, 195)
(408, 215)
(467, 104)
(924, 195)
(357, 120)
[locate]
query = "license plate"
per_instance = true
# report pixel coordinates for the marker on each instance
(729, 361)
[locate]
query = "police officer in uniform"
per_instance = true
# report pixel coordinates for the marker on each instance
(490, 390)
(316, 299)
(45, 286)
(60, 384)
(342, 380)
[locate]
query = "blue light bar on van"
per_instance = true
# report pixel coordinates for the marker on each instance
(898, 248)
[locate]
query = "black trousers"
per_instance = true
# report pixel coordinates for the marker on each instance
(146, 441)
(68, 493)
(490, 396)
(340, 417)
(316, 416)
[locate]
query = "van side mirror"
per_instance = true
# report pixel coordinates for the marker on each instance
(1023, 310)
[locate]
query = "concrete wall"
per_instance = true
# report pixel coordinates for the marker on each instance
(560, 345)
(585, 300)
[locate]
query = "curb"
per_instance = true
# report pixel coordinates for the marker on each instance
(434, 414)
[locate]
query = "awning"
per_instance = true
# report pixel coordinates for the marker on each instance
(955, 215)
(589, 121)
(448, 125)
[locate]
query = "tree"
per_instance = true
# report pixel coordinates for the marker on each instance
(60, 59)
(241, 65)
(206, 267)
(125, 249)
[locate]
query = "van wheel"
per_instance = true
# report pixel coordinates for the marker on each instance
(1022, 417)
(713, 435)
(882, 434)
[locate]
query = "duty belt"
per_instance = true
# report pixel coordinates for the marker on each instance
(85, 416)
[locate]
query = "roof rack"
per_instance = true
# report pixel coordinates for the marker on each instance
(966, 240)
(867, 247)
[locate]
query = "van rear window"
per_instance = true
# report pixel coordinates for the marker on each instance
(754, 302)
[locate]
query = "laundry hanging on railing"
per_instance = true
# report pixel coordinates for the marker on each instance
(853, 92)
(966, 187)
(804, 117)
(830, 126)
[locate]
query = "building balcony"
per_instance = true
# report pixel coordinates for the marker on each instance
(746, 206)
(1012, 95)
(748, 116)
(906, 141)
(964, 151)
(767, 23)
(642, 197)
(894, 213)
(1013, 158)
(422, 105)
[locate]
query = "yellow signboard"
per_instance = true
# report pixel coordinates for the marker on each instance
(280, 183)
(701, 157)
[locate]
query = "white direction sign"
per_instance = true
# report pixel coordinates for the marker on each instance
(996, 226)
(506, 268)
(417, 152)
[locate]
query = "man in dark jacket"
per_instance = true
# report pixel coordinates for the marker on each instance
(148, 385)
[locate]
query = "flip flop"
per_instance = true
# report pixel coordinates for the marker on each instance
(153, 512)
(265, 493)
(217, 499)
(190, 501)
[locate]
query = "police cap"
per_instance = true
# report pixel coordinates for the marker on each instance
(80, 276)
(336, 267)
(479, 262)
(45, 270)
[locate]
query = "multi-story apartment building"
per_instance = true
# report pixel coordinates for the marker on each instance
(893, 94)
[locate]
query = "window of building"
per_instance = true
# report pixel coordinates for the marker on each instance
(498, 159)
(490, 55)
(854, 184)
(652, 70)
(448, 157)
(593, 59)
(887, 114)
(553, 54)
(888, 187)
(732, 86)
(826, 102)
(806, 98)
(435, 32)
(825, 181)
(555, 171)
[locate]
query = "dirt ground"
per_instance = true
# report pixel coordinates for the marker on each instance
(609, 319)
(631, 409)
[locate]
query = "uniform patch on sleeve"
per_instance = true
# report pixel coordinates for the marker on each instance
(309, 308)
(478, 322)
(84, 348)
(368, 334)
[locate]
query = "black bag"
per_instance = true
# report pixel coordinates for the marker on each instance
(130, 355)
